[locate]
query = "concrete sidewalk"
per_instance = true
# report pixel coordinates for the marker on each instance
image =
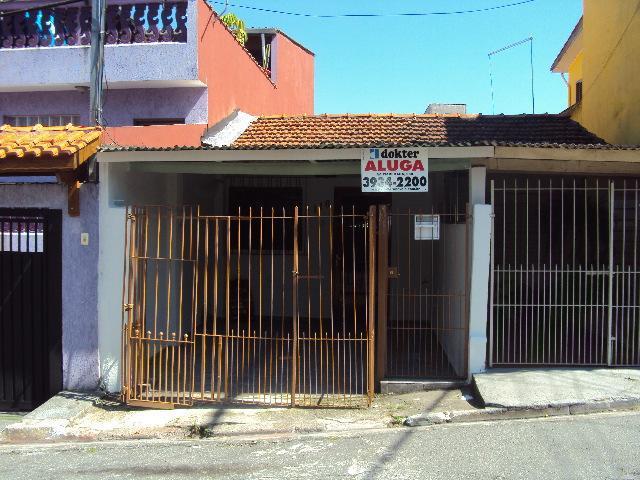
(72, 416)
(9, 418)
(557, 387)
(526, 393)
(500, 395)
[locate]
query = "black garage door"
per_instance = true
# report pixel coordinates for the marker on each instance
(30, 307)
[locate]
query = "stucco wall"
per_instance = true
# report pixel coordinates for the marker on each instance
(119, 187)
(575, 74)
(236, 81)
(120, 106)
(611, 97)
(79, 275)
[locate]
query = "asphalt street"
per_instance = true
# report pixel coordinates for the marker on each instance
(605, 446)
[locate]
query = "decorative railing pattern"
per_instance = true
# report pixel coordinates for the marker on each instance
(125, 24)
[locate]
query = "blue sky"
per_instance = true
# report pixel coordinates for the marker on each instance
(401, 64)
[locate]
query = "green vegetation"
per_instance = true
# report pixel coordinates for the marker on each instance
(236, 25)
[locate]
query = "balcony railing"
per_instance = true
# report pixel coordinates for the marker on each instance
(125, 24)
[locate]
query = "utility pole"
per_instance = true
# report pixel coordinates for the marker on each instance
(98, 14)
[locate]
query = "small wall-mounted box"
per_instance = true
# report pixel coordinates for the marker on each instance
(84, 239)
(427, 227)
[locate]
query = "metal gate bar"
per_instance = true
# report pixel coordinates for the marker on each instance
(261, 307)
(564, 272)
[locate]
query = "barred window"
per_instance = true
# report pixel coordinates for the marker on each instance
(44, 120)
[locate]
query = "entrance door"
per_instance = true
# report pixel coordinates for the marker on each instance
(422, 294)
(30, 307)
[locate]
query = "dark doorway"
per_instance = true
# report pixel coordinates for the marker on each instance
(30, 307)
(350, 294)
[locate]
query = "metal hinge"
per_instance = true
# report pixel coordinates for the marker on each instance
(131, 217)
(127, 307)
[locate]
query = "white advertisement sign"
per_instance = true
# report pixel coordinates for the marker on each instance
(394, 170)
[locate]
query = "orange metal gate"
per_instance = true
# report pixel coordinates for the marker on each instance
(422, 294)
(263, 307)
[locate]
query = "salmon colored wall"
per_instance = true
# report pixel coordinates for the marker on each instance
(235, 81)
(155, 135)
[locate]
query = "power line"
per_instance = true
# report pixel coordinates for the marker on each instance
(374, 15)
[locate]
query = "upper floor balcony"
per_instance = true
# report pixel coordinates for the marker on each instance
(148, 44)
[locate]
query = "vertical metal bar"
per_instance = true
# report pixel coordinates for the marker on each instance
(320, 299)
(126, 320)
(383, 290)
(294, 360)
(624, 326)
(539, 280)
(574, 235)
(527, 338)
(271, 300)
(372, 303)
(564, 294)
(609, 339)
(205, 309)
(215, 300)
(331, 306)
(227, 311)
(491, 274)
(636, 327)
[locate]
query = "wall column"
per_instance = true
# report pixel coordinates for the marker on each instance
(479, 264)
(110, 275)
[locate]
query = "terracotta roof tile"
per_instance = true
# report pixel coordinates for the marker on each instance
(47, 142)
(369, 130)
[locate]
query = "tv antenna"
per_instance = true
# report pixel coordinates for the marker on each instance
(513, 45)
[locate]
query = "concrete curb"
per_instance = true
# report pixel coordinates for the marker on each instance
(502, 413)
(50, 420)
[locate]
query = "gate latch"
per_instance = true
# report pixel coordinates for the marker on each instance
(393, 272)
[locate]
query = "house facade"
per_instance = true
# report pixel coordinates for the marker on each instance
(170, 66)
(602, 91)
(259, 268)
(172, 70)
(48, 257)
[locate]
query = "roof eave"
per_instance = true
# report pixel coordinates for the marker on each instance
(569, 50)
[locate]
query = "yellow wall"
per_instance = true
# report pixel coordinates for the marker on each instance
(575, 74)
(611, 70)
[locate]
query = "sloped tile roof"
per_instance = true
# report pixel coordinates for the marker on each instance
(348, 131)
(39, 141)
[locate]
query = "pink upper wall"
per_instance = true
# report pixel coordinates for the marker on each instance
(164, 136)
(235, 81)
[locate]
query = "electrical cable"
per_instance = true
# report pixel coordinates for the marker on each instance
(374, 15)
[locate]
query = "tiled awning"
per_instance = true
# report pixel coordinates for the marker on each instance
(46, 150)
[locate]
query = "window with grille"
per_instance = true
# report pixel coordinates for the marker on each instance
(578, 91)
(44, 120)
